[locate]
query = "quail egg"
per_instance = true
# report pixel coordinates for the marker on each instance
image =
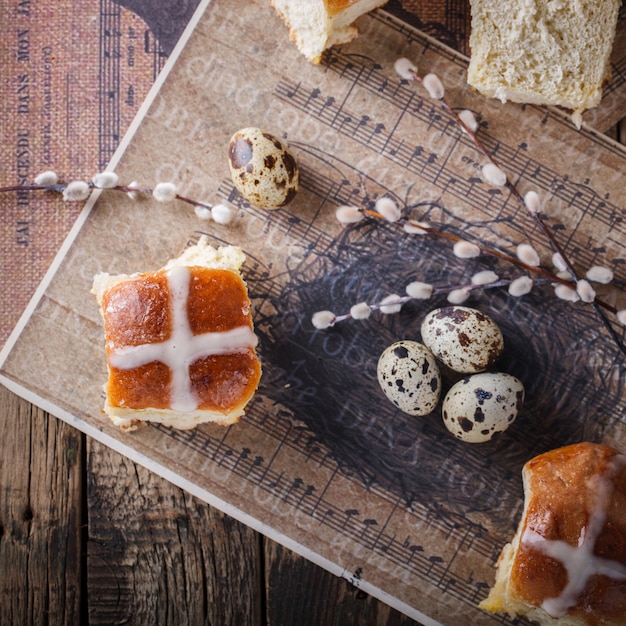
(263, 169)
(409, 376)
(479, 406)
(464, 339)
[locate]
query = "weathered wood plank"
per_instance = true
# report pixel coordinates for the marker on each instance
(40, 516)
(157, 555)
(299, 592)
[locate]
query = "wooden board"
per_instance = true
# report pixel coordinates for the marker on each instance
(322, 462)
(69, 101)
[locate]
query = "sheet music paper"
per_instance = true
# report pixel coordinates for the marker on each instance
(322, 461)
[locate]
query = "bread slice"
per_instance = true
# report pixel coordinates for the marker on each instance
(554, 52)
(566, 565)
(180, 344)
(315, 25)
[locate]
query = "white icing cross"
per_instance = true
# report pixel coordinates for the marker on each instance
(579, 561)
(183, 347)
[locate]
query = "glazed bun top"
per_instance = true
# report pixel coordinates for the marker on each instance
(193, 320)
(571, 557)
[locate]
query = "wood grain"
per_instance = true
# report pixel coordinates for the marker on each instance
(41, 487)
(89, 537)
(322, 597)
(157, 555)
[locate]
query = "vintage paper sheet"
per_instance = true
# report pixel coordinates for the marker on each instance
(68, 102)
(322, 461)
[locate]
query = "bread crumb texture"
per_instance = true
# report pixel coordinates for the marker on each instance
(315, 25)
(554, 52)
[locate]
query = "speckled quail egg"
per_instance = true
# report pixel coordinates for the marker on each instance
(482, 405)
(409, 376)
(263, 169)
(464, 339)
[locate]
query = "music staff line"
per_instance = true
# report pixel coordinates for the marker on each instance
(367, 532)
(110, 98)
(304, 231)
(403, 97)
(413, 35)
(302, 441)
(483, 198)
(339, 57)
(109, 102)
(222, 454)
(288, 436)
(428, 165)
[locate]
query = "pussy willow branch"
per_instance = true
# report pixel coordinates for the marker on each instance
(436, 292)
(598, 304)
(59, 187)
(544, 273)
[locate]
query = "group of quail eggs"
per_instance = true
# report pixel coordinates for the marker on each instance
(477, 407)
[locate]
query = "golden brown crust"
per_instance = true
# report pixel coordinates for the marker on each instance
(563, 495)
(137, 311)
(573, 529)
(336, 6)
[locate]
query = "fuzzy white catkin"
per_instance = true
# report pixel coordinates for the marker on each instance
(458, 296)
(484, 278)
(360, 311)
(405, 68)
(493, 175)
(600, 274)
(469, 119)
(565, 275)
(559, 262)
(390, 304)
(203, 212)
(433, 85)
(466, 250)
(531, 200)
(222, 214)
(566, 293)
(164, 192)
(323, 319)
(105, 180)
(416, 228)
(75, 191)
(47, 178)
(527, 254)
(621, 317)
(348, 214)
(419, 290)
(585, 291)
(132, 194)
(388, 209)
(520, 286)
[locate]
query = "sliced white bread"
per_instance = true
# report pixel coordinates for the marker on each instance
(552, 52)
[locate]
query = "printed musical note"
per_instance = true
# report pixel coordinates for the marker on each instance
(311, 444)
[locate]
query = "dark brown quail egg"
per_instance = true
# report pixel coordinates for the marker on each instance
(464, 339)
(409, 376)
(262, 168)
(480, 406)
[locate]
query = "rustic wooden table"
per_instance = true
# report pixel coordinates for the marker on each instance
(89, 537)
